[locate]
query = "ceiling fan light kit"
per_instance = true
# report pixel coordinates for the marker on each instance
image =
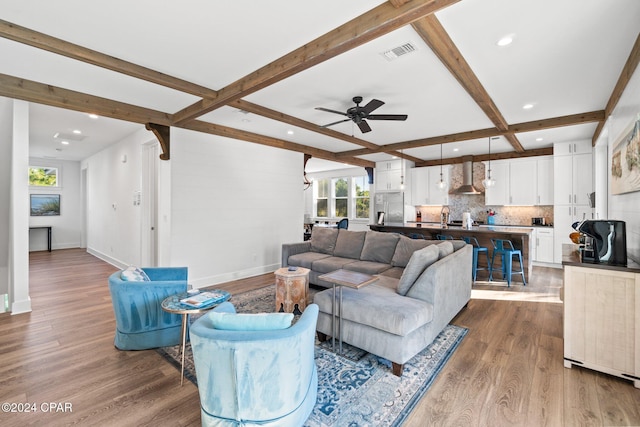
(359, 115)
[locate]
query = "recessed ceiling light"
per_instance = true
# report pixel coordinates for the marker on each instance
(539, 139)
(289, 132)
(456, 149)
(64, 142)
(527, 106)
(505, 41)
(93, 116)
(77, 132)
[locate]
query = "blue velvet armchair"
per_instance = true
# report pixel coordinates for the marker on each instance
(255, 378)
(141, 323)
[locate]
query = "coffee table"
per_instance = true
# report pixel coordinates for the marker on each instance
(342, 278)
(172, 304)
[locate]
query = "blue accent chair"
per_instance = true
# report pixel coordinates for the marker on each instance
(343, 223)
(255, 378)
(505, 250)
(141, 323)
(444, 237)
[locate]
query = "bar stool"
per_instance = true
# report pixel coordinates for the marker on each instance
(477, 249)
(505, 250)
(444, 237)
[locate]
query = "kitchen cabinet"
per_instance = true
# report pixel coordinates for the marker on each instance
(522, 182)
(388, 175)
(498, 194)
(543, 244)
(544, 180)
(601, 318)
(573, 182)
(424, 190)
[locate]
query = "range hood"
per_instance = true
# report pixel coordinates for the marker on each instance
(467, 178)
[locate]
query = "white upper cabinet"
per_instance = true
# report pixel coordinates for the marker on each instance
(571, 148)
(499, 193)
(545, 181)
(388, 175)
(522, 182)
(424, 190)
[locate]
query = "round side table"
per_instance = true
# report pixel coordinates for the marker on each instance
(172, 304)
(292, 288)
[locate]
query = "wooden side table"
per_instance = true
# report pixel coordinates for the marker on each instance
(292, 288)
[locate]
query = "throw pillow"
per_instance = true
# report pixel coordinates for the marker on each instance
(349, 244)
(406, 247)
(445, 248)
(134, 274)
(418, 263)
(379, 247)
(250, 322)
(323, 240)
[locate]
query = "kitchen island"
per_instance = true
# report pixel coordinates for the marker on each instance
(520, 237)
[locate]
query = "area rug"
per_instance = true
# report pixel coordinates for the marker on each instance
(357, 390)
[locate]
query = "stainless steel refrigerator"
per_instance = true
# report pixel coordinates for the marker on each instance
(392, 204)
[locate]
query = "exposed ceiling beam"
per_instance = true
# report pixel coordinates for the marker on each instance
(435, 36)
(294, 121)
(379, 21)
(574, 119)
(626, 74)
(27, 90)
(24, 35)
(200, 126)
(485, 157)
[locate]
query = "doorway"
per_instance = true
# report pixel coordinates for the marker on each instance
(148, 199)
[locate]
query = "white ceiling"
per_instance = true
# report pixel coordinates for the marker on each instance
(565, 59)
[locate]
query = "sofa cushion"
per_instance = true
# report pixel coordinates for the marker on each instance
(458, 244)
(329, 264)
(405, 248)
(305, 259)
(378, 306)
(367, 267)
(323, 240)
(349, 243)
(419, 262)
(445, 248)
(379, 247)
(393, 272)
(250, 322)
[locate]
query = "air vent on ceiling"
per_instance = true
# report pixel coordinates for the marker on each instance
(69, 136)
(245, 112)
(399, 51)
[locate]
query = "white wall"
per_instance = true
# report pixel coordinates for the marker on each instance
(66, 228)
(113, 222)
(6, 123)
(233, 205)
(625, 207)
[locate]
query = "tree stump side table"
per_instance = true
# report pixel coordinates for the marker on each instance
(292, 288)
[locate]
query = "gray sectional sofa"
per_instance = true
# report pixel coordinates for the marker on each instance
(421, 286)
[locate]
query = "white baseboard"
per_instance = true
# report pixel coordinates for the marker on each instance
(235, 275)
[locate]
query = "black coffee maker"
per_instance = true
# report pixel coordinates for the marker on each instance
(606, 241)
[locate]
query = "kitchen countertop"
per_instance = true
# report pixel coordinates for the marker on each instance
(571, 256)
(479, 229)
(486, 225)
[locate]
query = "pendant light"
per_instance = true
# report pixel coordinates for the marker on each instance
(442, 184)
(401, 170)
(488, 181)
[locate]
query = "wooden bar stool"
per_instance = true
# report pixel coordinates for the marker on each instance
(505, 250)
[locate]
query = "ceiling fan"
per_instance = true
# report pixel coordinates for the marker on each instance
(358, 114)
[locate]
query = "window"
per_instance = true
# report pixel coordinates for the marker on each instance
(322, 198)
(361, 196)
(43, 176)
(341, 196)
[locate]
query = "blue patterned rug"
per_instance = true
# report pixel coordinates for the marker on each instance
(359, 389)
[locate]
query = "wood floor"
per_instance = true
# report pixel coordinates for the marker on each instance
(508, 370)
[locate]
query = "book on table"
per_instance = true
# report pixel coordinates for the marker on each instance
(203, 299)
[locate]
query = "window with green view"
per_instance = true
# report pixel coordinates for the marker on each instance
(43, 176)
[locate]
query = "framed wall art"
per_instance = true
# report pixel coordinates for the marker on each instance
(45, 204)
(625, 160)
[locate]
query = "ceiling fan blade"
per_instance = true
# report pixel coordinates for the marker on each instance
(335, 123)
(364, 126)
(387, 117)
(331, 111)
(372, 105)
